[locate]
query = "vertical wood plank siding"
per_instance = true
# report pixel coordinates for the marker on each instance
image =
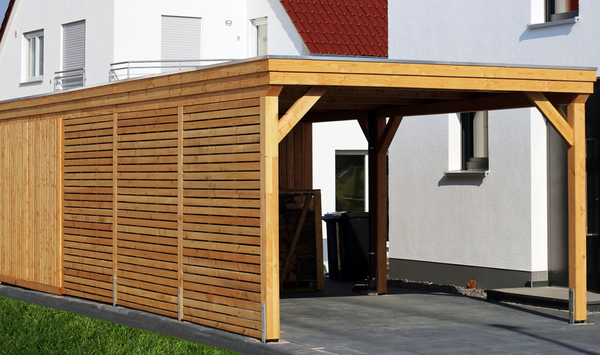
(295, 158)
(30, 162)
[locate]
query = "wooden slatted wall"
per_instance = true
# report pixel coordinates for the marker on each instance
(30, 174)
(88, 205)
(147, 211)
(221, 247)
(157, 195)
(187, 192)
(295, 158)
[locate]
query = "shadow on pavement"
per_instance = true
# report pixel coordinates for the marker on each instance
(549, 340)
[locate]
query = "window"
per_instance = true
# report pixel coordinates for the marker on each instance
(350, 181)
(35, 55)
(260, 27)
(474, 140)
(73, 57)
(181, 40)
(561, 9)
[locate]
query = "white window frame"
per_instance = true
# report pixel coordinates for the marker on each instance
(35, 73)
(253, 45)
(457, 159)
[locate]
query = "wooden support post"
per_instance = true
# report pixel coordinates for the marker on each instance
(269, 212)
(577, 208)
(61, 194)
(114, 207)
(319, 240)
(377, 204)
(180, 212)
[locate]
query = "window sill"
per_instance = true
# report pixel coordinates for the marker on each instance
(467, 173)
(566, 21)
(32, 81)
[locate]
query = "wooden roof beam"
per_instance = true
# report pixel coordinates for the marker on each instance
(491, 102)
(364, 126)
(556, 119)
(337, 115)
(299, 109)
(388, 134)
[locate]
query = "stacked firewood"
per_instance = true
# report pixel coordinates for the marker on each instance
(301, 267)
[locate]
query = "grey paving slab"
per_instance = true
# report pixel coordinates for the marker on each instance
(408, 321)
(555, 292)
(550, 296)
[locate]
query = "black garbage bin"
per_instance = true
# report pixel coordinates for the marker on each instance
(348, 245)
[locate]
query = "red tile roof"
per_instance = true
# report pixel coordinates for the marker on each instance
(6, 17)
(346, 27)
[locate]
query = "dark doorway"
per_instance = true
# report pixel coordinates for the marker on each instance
(558, 261)
(592, 135)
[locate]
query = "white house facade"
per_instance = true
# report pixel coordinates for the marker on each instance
(91, 43)
(501, 224)
(40, 41)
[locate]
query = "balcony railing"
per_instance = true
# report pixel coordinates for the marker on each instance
(69, 79)
(135, 68)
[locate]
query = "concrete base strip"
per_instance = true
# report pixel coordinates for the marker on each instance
(154, 323)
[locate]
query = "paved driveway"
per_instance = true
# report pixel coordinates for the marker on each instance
(413, 322)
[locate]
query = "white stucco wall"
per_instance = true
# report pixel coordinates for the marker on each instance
(138, 27)
(32, 15)
(502, 222)
(128, 30)
(349, 137)
(284, 39)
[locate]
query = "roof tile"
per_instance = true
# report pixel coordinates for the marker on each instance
(343, 27)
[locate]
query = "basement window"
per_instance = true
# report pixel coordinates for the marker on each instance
(474, 140)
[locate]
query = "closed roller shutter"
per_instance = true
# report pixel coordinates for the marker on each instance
(73, 53)
(74, 45)
(180, 39)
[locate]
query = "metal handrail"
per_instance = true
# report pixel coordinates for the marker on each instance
(135, 68)
(66, 75)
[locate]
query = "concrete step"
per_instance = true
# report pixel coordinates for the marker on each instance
(548, 296)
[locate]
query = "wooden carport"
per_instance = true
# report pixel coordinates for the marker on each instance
(162, 193)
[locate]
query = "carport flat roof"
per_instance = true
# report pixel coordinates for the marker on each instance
(348, 58)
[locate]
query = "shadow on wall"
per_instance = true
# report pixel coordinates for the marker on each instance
(458, 181)
(544, 32)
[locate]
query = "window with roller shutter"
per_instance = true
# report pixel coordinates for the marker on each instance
(180, 40)
(73, 58)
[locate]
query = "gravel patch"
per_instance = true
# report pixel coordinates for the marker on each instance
(431, 287)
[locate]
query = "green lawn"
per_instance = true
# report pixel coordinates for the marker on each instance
(30, 329)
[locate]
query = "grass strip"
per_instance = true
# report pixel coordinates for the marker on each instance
(26, 328)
